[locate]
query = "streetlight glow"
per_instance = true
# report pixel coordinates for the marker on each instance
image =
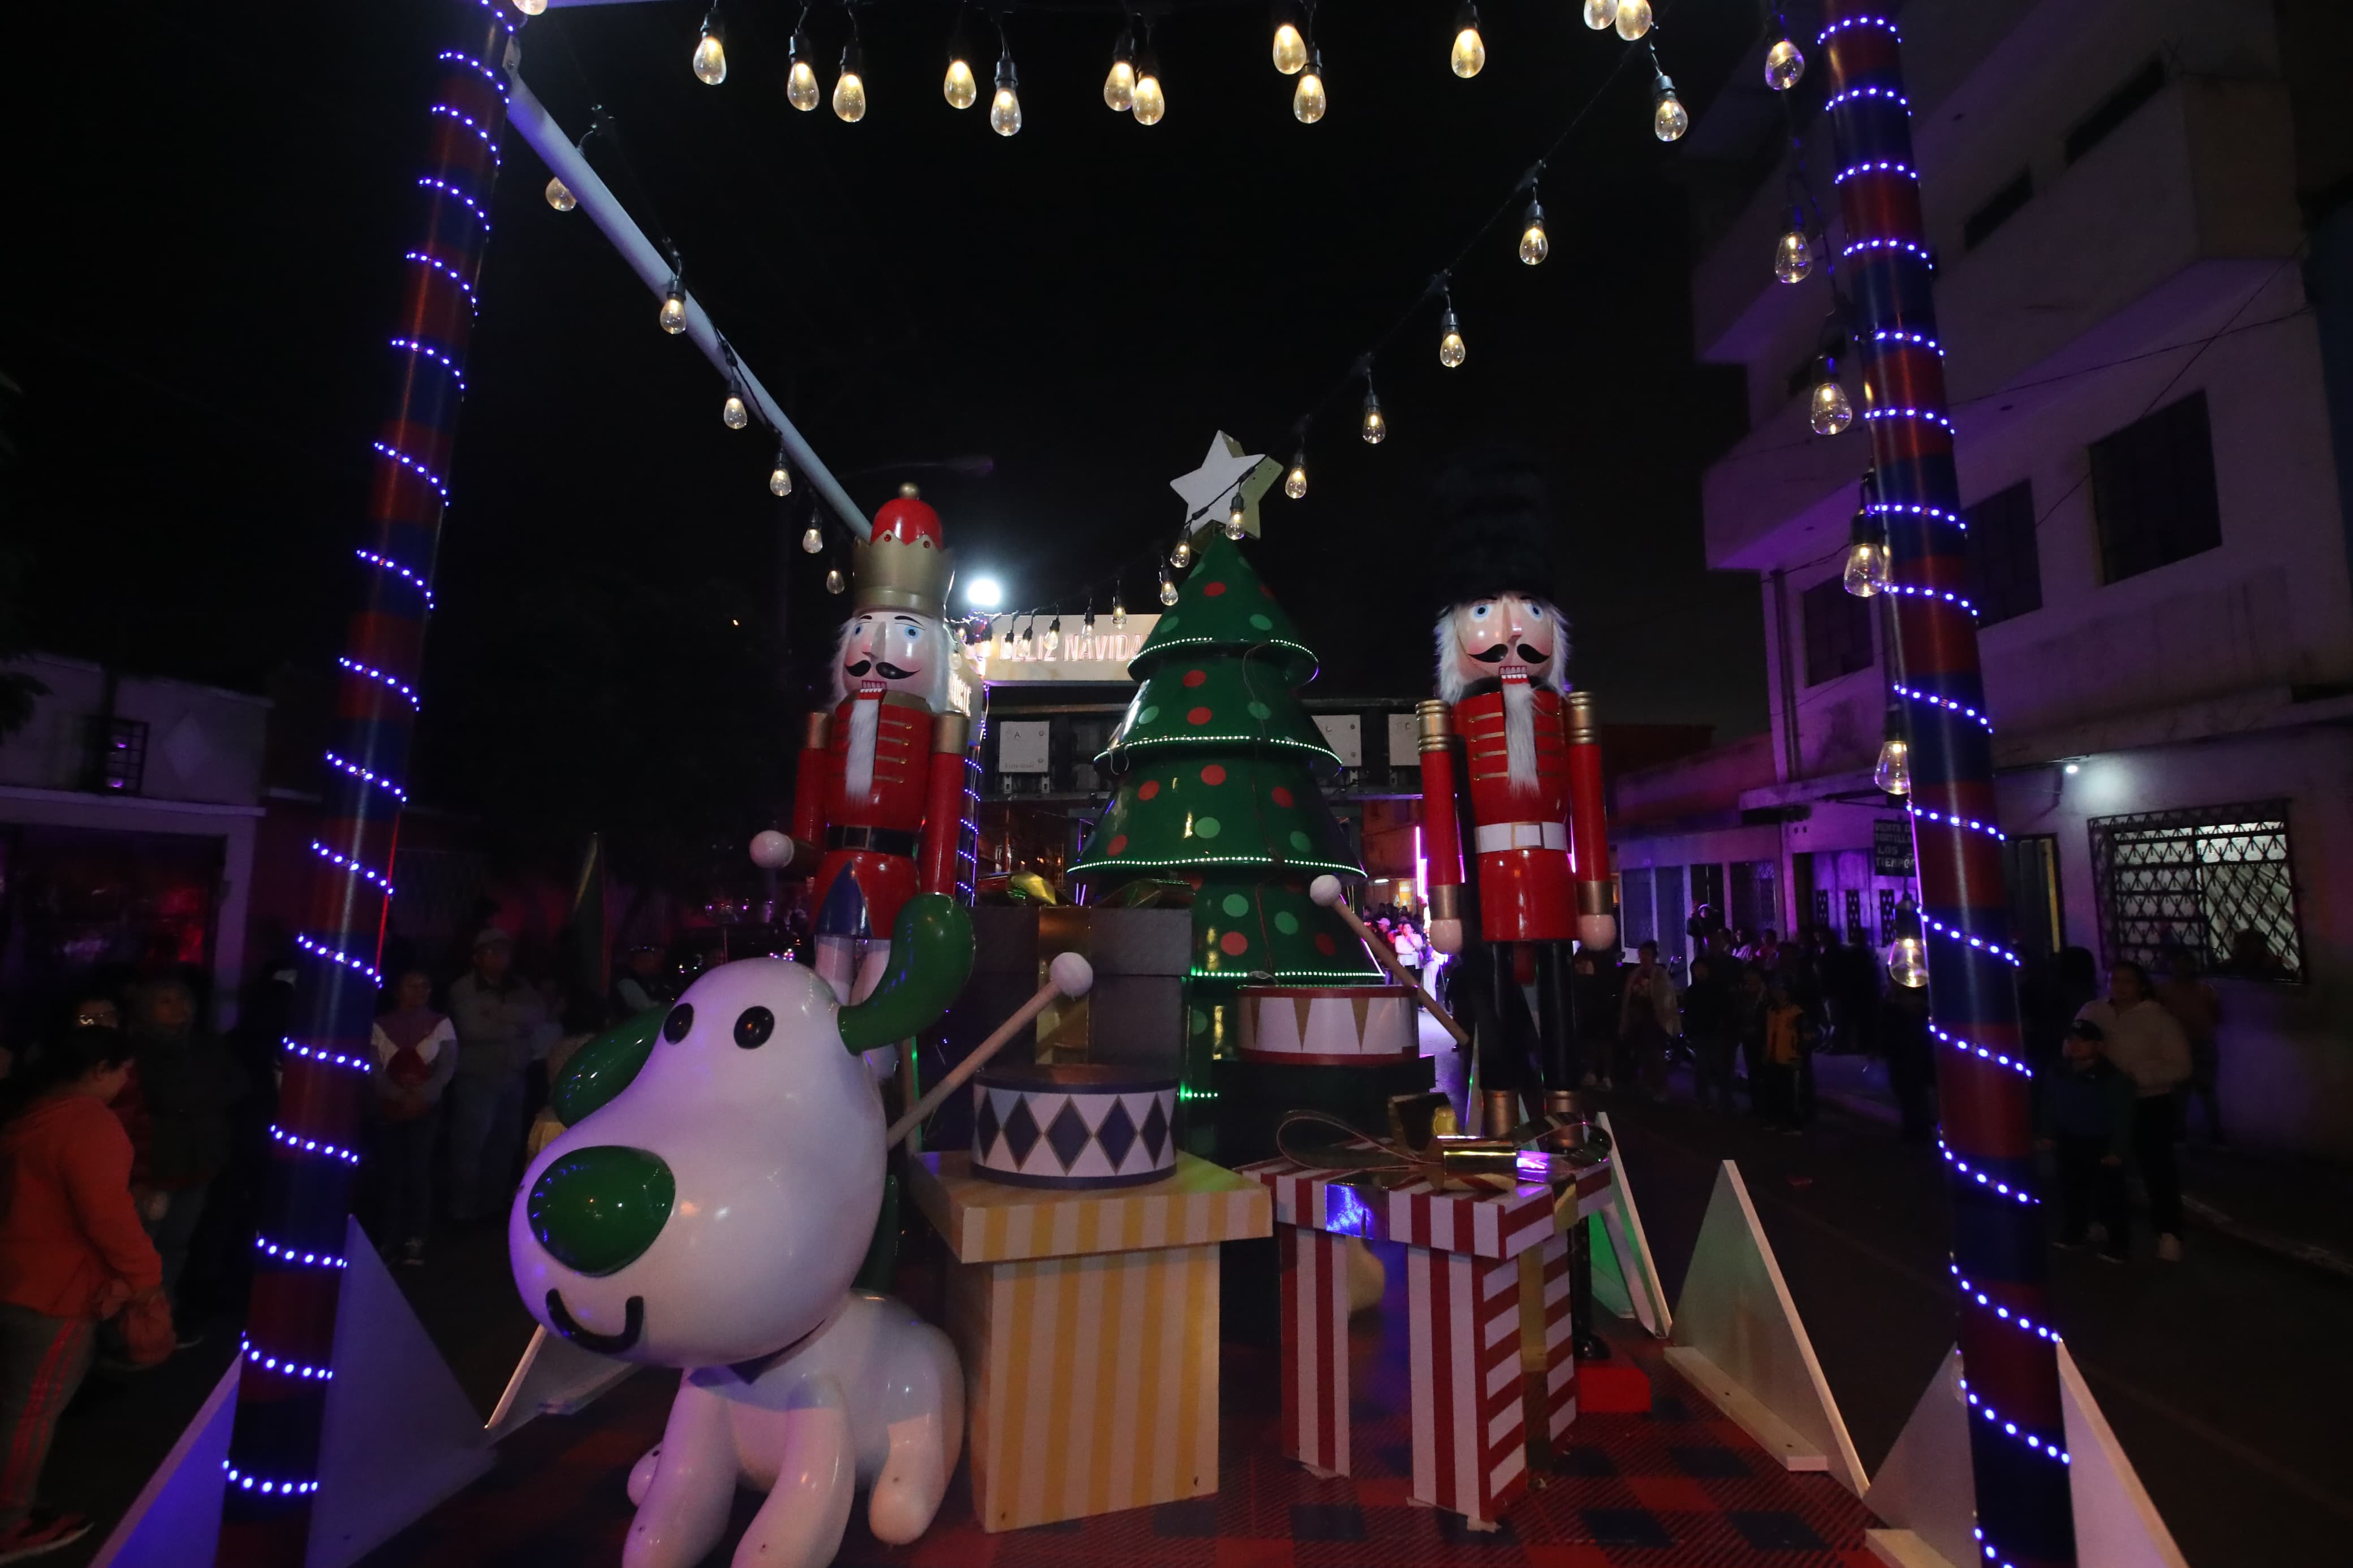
(984, 593)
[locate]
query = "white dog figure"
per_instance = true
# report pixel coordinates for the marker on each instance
(711, 1213)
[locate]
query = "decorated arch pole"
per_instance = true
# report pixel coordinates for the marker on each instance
(272, 1469)
(2009, 1347)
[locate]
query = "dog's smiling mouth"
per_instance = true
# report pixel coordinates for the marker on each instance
(633, 1324)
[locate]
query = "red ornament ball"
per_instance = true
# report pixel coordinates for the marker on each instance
(1198, 716)
(1148, 789)
(1234, 943)
(1280, 796)
(1212, 590)
(1213, 774)
(1117, 845)
(1325, 945)
(1195, 677)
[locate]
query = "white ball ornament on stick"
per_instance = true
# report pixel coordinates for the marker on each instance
(1326, 891)
(1072, 975)
(771, 850)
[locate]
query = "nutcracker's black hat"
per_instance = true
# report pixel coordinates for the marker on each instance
(1495, 529)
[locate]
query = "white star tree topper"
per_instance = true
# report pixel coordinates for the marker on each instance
(1208, 490)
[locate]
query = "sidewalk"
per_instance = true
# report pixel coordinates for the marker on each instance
(2298, 1209)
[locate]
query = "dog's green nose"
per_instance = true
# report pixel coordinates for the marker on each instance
(597, 1209)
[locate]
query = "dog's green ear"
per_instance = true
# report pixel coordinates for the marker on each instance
(605, 1066)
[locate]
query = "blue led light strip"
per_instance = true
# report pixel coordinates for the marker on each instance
(332, 1058)
(1945, 596)
(1956, 934)
(362, 774)
(1968, 822)
(471, 124)
(2017, 1319)
(447, 189)
(461, 57)
(386, 563)
(268, 1248)
(2017, 1195)
(2048, 1451)
(1918, 339)
(411, 464)
(1958, 1043)
(315, 1146)
(240, 1480)
(353, 867)
(1905, 245)
(1996, 1558)
(1840, 26)
(1945, 703)
(382, 676)
(268, 1363)
(311, 944)
(1919, 508)
(1930, 414)
(1876, 166)
(1852, 93)
(428, 351)
(451, 273)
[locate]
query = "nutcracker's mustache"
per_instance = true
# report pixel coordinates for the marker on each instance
(886, 671)
(1529, 654)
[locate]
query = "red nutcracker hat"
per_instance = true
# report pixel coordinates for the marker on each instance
(907, 565)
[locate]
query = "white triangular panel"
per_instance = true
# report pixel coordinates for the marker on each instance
(554, 1377)
(176, 1520)
(1926, 1484)
(2115, 1524)
(1622, 1241)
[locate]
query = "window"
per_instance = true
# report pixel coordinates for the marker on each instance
(2005, 571)
(1755, 900)
(2030, 864)
(1838, 632)
(1640, 920)
(1999, 209)
(2115, 109)
(2203, 878)
(2153, 491)
(115, 759)
(1671, 912)
(1707, 888)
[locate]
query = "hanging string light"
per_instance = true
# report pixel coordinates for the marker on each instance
(1600, 15)
(559, 195)
(1051, 644)
(1892, 772)
(813, 539)
(1534, 244)
(1633, 19)
(1181, 557)
(833, 583)
(849, 87)
(672, 315)
(1468, 57)
(1005, 109)
(1289, 47)
(1374, 428)
(1118, 612)
(1828, 410)
(958, 87)
(1119, 82)
(1450, 350)
(1785, 63)
(1866, 574)
(1237, 517)
(1294, 483)
(1168, 587)
(780, 477)
(1151, 100)
(800, 82)
(1793, 253)
(711, 50)
(1668, 118)
(733, 413)
(1308, 99)
(1907, 956)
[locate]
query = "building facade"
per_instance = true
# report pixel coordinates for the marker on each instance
(2129, 201)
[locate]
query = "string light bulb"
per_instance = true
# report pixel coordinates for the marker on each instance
(800, 82)
(1289, 47)
(1600, 15)
(1167, 589)
(1468, 57)
(780, 477)
(1119, 82)
(1294, 483)
(958, 88)
(1308, 99)
(1892, 772)
(1907, 956)
(1374, 428)
(1182, 555)
(1535, 244)
(1865, 575)
(672, 315)
(1118, 613)
(813, 540)
(1151, 100)
(559, 195)
(1793, 254)
(1633, 19)
(1005, 109)
(1450, 350)
(1237, 517)
(833, 583)
(1785, 63)
(1827, 411)
(849, 87)
(1052, 643)
(531, 7)
(1668, 120)
(711, 51)
(733, 413)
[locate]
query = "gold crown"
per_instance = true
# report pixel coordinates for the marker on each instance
(890, 575)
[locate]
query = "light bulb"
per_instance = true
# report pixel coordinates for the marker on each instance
(780, 479)
(1308, 99)
(1119, 86)
(560, 197)
(1168, 591)
(673, 309)
(1633, 19)
(1290, 50)
(849, 87)
(531, 7)
(1049, 645)
(1469, 56)
(1601, 14)
(1005, 109)
(1535, 246)
(1118, 614)
(710, 58)
(1451, 352)
(959, 89)
(1893, 774)
(812, 541)
(1867, 572)
(1784, 63)
(1907, 963)
(1375, 429)
(1668, 118)
(732, 412)
(1236, 518)
(1829, 412)
(1182, 557)
(1294, 483)
(1793, 257)
(1150, 102)
(833, 583)
(800, 82)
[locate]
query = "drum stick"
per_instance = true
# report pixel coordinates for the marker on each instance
(1326, 891)
(1070, 975)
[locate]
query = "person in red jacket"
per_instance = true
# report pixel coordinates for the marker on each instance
(72, 1251)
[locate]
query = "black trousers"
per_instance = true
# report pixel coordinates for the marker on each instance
(2089, 1190)
(2155, 1127)
(1525, 1054)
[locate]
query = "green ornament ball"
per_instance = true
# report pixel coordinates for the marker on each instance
(1237, 906)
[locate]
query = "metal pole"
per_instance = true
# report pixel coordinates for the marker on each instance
(272, 1468)
(2009, 1346)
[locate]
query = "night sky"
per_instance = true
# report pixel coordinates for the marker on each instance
(207, 208)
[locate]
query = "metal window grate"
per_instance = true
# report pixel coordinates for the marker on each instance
(2196, 879)
(115, 753)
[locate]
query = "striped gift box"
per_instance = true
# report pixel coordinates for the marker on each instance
(1088, 1326)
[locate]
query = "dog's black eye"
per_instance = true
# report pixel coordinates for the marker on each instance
(681, 1019)
(754, 1025)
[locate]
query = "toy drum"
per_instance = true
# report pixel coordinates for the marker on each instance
(1075, 1125)
(1329, 1026)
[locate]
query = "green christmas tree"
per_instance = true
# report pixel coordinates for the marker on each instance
(1218, 767)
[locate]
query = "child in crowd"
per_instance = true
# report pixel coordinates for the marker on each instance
(2087, 1117)
(1789, 1034)
(72, 1252)
(416, 1051)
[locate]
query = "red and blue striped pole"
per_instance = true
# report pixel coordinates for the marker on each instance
(272, 1467)
(2009, 1347)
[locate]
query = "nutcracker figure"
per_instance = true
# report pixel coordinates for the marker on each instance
(878, 805)
(1511, 773)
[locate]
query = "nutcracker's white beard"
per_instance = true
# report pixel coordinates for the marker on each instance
(857, 768)
(1520, 733)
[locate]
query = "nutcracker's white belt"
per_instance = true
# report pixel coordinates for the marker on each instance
(1497, 836)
